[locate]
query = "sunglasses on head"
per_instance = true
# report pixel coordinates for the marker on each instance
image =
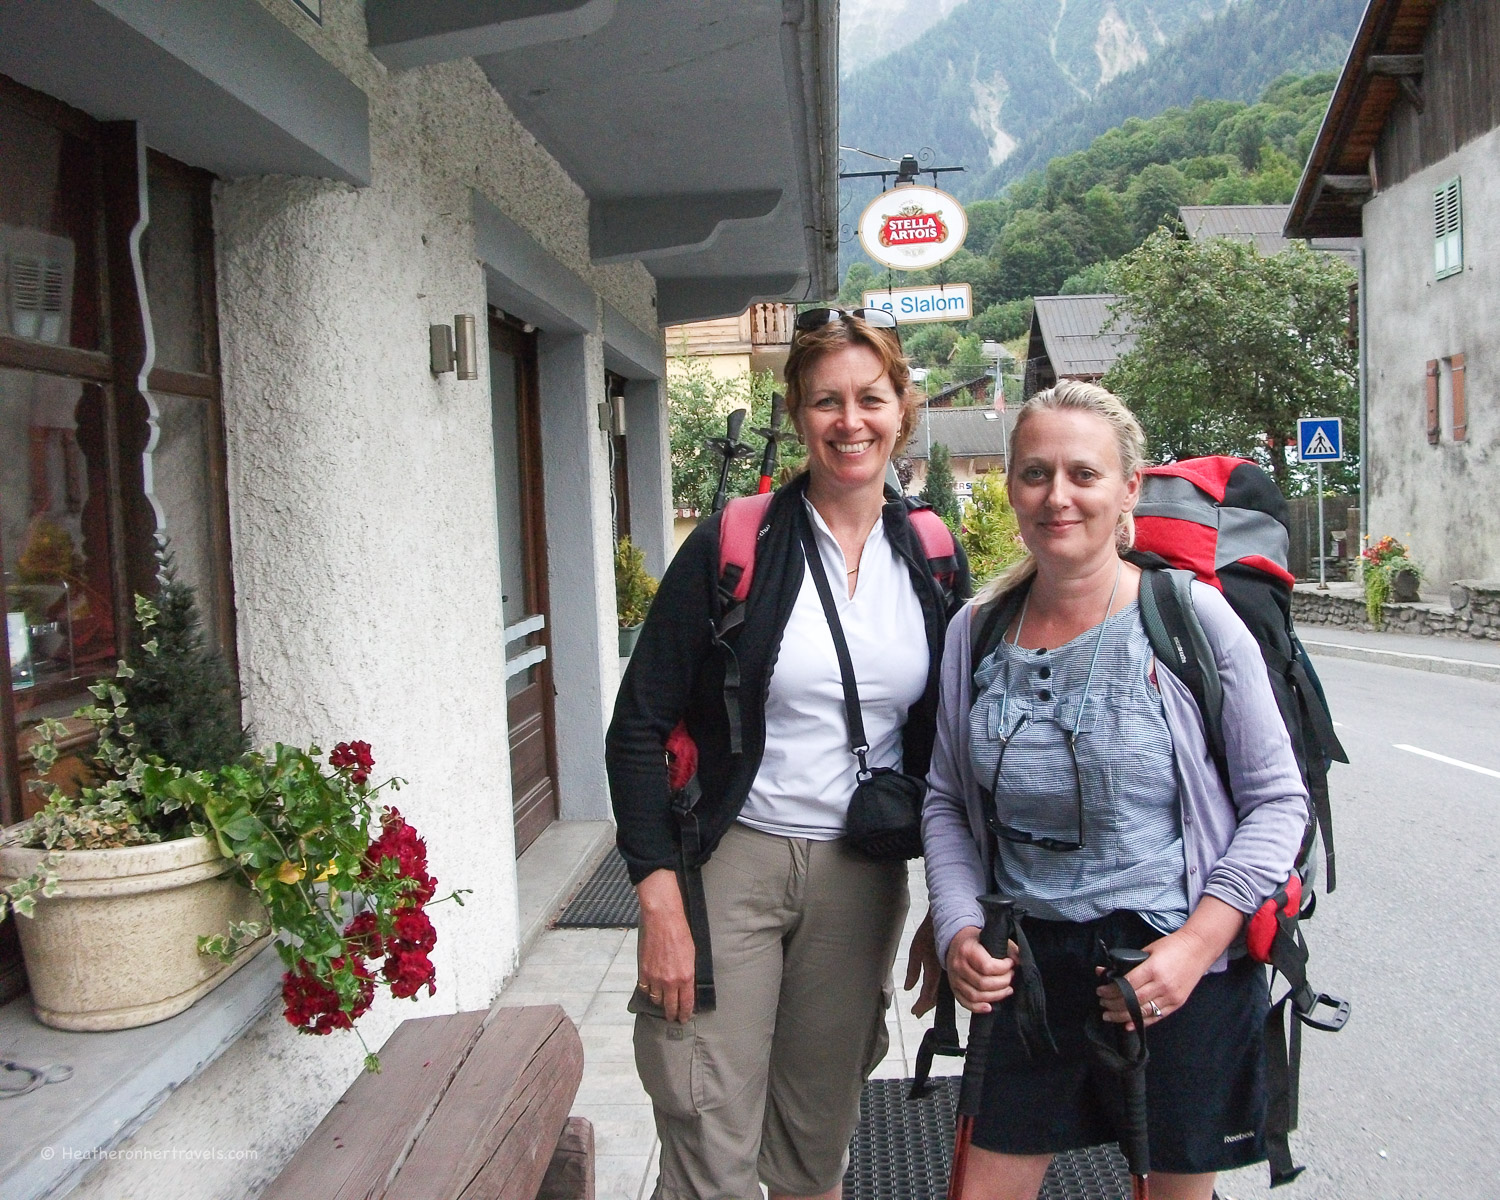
(816, 318)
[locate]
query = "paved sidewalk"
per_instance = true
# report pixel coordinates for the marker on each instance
(1473, 658)
(591, 972)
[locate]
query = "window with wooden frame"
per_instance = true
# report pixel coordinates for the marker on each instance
(110, 422)
(1448, 229)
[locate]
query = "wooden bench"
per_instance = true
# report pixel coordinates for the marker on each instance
(467, 1106)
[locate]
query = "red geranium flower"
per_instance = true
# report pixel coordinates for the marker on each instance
(414, 931)
(314, 1006)
(399, 841)
(363, 935)
(355, 757)
(407, 971)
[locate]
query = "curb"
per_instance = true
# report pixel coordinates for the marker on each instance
(1465, 668)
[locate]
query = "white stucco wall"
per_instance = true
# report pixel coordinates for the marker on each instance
(1440, 499)
(364, 536)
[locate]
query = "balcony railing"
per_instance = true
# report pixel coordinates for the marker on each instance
(771, 325)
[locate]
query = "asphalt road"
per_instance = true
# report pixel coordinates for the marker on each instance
(1404, 1103)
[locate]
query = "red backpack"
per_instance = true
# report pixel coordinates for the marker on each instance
(744, 521)
(1224, 521)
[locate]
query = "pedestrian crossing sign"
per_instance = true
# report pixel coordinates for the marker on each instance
(1320, 439)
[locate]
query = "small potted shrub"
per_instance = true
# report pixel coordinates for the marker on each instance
(634, 590)
(1388, 573)
(156, 882)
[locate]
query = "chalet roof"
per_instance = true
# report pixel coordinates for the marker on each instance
(968, 432)
(1336, 181)
(1260, 224)
(1072, 333)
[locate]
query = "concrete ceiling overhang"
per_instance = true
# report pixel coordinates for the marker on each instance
(220, 84)
(704, 132)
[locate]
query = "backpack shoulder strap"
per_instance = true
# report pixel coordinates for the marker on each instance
(938, 546)
(740, 526)
(987, 625)
(1181, 645)
(739, 536)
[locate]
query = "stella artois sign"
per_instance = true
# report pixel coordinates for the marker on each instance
(911, 227)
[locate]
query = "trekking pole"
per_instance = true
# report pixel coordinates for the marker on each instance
(999, 920)
(1128, 1061)
(774, 435)
(729, 448)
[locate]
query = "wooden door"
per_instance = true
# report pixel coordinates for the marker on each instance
(521, 509)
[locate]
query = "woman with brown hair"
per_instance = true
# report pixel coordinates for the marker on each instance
(1073, 777)
(765, 1088)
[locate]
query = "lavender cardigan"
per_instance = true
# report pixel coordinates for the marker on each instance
(1239, 850)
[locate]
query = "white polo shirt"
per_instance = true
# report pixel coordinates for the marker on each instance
(807, 772)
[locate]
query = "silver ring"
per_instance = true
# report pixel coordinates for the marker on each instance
(1155, 1010)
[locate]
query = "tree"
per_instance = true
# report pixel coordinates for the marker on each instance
(991, 536)
(968, 357)
(932, 344)
(1154, 196)
(1090, 281)
(182, 696)
(1037, 251)
(860, 279)
(938, 490)
(698, 402)
(1232, 348)
(1003, 322)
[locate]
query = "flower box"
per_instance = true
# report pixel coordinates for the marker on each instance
(117, 947)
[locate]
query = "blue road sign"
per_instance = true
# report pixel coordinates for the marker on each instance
(1320, 439)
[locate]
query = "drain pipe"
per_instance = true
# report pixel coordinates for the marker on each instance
(809, 40)
(1364, 398)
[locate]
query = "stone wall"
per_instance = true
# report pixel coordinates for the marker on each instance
(1473, 611)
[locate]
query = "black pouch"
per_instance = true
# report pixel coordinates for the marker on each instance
(885, 816)
(884, 821)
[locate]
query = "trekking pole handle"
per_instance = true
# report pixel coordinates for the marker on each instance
(1122, 961)
(998, 919)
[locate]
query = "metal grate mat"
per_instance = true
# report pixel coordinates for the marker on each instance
(903, 1148)
(606, 901)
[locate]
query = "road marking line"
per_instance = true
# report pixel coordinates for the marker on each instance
(1452, 762)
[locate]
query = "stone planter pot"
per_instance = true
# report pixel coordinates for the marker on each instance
(117, 947)
(628, 639)
(1405, 587)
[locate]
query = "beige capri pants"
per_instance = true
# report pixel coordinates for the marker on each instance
(766, 1087)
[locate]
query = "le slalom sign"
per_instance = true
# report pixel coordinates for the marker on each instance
(949, 302)
(911, 227)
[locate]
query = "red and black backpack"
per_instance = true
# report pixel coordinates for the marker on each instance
(1224, 521)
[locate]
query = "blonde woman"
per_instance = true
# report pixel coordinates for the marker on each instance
(1072, 776)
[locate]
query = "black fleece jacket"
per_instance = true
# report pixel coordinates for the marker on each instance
(677, 673)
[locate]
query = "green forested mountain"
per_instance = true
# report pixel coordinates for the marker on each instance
(992, 72)
(1232, 56)
(1057, 230)
(1004, 86)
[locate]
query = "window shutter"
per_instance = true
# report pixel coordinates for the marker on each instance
(1434, 424)
(1447, 229)
(1460, 410)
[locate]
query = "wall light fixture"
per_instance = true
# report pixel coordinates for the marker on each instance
(455, 348)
